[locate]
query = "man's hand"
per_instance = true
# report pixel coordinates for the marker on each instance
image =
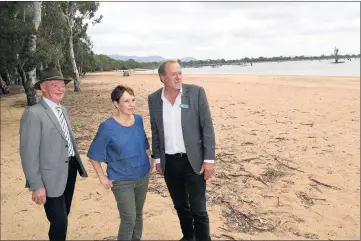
(159, 168)
(208, 169)
(39, 196)
(106, 182)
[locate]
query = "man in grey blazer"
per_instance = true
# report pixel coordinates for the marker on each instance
(183, 146)
(49, 155)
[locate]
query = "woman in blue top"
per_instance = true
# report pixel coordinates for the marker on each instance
(122, 144)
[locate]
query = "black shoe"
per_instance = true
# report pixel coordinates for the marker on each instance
(187, 239)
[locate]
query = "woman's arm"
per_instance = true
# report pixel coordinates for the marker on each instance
(102, 177)
(149, 153)
(151, 160)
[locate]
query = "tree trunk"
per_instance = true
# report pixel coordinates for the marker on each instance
(58, 66)
(17, 78)
(81, 72)
(4, 87)
(31, 74)
(73, 63)
(28, 86)
(22, 75)
(8, 79)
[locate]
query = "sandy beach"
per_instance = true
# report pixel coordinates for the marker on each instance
(287, 154)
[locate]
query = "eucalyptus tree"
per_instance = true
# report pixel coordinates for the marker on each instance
(76, 15)
(30, 49)
(19, 26)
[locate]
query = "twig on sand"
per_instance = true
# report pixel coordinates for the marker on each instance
(318, 198)
(324, 184)
(260, 179)
(240, 175)
(256, 178)
(247, 143)
(285, 165)
(228, 236)
(110, 238)
(314, 185)
(249, 159)
(283, 122)
(224, 229)
(307, 124)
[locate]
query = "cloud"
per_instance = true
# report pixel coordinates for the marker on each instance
(227, 30)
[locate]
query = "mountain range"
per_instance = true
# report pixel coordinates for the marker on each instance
(146, 59)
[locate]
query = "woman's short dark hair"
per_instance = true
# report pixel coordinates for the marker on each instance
(118, 92)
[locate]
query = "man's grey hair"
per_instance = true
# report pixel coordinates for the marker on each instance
(161, 69)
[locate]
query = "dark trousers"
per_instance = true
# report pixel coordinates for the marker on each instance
(188, 192)
(57, 209)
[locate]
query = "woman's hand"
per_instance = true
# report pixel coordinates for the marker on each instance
(106, 182)
(152, 165)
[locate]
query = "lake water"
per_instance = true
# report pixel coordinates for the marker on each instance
(315, 68)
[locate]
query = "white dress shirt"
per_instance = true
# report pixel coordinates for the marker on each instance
(53, 106)
(172, 124)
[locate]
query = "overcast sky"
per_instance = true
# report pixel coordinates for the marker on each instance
(226, 30)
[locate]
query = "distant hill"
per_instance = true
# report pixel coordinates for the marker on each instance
(146, 59)
(188, 59)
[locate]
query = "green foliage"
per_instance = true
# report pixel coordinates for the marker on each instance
(51, 41)
(14, 31)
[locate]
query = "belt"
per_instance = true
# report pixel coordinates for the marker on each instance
(71, 158)
(178, 155)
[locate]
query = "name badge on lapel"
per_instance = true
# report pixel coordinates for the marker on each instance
(184, 106)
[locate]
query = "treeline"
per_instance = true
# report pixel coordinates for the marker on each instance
(105, 63)
(36, 35)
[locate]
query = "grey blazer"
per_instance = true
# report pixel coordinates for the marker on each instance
(44, 150)
(197, 126)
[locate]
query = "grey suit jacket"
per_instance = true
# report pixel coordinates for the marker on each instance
(44, 150)
(197, 126)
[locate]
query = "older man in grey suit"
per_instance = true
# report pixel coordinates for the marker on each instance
(49, 155)
(183, 146)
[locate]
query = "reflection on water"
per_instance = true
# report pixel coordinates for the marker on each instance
(315, 68)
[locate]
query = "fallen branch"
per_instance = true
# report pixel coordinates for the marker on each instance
(324, 184)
